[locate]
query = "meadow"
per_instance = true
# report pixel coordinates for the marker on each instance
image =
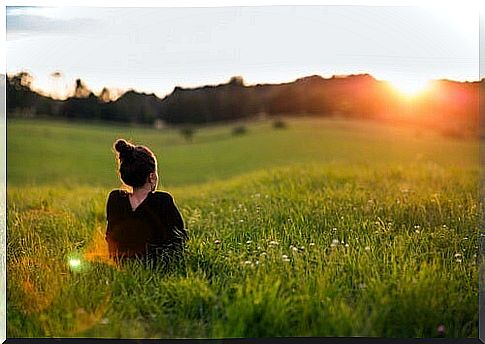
(325, 228)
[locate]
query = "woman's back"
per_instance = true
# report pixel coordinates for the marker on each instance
(145, 223)
(155, 223)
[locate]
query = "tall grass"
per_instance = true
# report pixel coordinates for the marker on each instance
(313, 249)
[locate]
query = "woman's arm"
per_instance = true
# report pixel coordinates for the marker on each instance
(110, 204)
(175, 222)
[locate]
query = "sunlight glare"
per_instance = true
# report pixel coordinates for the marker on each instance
(410, 86)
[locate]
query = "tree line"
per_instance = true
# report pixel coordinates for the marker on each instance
(352, 96)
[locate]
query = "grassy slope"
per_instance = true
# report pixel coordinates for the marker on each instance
(411, 200)
(50, 153)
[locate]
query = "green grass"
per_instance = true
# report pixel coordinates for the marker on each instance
(403, 207)
(47, 153)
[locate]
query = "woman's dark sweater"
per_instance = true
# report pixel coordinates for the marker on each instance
(155, 226)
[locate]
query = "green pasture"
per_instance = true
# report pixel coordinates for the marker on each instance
(47, 153)
(325, 228)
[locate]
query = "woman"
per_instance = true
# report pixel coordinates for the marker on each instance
(143, 223)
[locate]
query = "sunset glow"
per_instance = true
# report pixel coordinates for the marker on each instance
(410, 87)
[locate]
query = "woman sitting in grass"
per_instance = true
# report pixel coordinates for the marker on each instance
(143, 223)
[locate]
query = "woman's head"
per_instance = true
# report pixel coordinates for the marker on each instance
(138, 164)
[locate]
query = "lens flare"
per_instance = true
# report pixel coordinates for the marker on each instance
(75, 263)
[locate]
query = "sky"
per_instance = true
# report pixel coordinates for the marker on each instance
(153, 50)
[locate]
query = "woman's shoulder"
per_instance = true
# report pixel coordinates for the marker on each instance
(163, 196)
(117, 193)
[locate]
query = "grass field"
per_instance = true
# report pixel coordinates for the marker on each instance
(326, 228)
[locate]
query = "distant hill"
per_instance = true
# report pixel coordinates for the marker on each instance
(449, 103)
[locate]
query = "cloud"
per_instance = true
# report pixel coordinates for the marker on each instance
(20, 24)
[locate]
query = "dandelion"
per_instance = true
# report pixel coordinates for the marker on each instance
(367, 248)
(217, 242)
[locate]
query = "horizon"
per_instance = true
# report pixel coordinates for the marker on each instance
(156, 49)
(120, 92)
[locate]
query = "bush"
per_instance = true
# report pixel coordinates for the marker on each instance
(187, 133)
(279, 124)
(452, 133)
(240, 130)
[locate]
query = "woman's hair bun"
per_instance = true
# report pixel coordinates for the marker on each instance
(123, 147)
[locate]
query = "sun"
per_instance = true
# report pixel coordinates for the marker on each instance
(410, 87)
